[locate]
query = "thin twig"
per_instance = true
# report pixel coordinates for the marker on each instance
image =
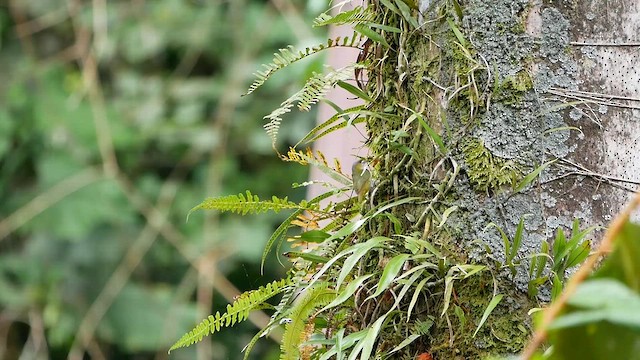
(613, 44)
(47, 199)
(596, 98)
(19, 18)
(95, 352)
(119, 277)
(41, 23)
(6, 319)
(38, 334)
(291, 15)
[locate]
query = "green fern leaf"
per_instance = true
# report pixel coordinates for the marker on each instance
(354, 16)
(288, 56)
(299, 314)
(281, 310)
(313, 91)
(236, 312)
(249, 204)
(330, 125)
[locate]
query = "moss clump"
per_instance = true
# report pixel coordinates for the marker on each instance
(504, 332)
(512, 89)
(487, 171)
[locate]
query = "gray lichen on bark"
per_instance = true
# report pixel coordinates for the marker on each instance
(527, 76)
(518, 125)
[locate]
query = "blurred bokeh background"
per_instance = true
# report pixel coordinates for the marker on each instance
(116, 118)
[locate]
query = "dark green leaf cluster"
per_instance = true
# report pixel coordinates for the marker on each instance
(563, 255)
(601, 318)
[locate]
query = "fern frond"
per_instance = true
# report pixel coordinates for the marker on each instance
(250, 204)
(281, 310)
(299, 314)
(288, 56)
(318, 160)
(274, 323)
(313, 91)
(236, 312)
(350, 116)
(330, 129)
(354, 16)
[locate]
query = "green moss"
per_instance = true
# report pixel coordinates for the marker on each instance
(425, 69)
(511, 90)
(502, 333)
(518, 28)
(487, 171)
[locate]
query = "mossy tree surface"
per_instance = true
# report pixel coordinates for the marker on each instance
(437, 72)
(482, 74)
(470, 70)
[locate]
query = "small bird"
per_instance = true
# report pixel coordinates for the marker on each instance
(361, 178)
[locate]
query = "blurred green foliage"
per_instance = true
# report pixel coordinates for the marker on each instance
(98, 174)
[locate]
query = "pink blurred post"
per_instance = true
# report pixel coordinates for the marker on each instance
(345, 144)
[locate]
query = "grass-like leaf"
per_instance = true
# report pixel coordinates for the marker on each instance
(531, 176)
(492, 305)
(389, 273)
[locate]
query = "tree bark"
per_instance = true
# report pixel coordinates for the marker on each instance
(512, 86)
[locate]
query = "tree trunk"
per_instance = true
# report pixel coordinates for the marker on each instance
(516, 89)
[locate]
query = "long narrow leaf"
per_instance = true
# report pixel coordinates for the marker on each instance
(406, 286)
(446, 215)
(517, 240)
(434, 135)
(345, 294)
(457, 33)
(406, 13)
(492, 305)
(352, 261)
(371, 34)
(405, 342)
(579, 254)
(366, 345)
(340, 113)
(389, 273)
(416, 294)
(391, 7)
(505, 239)
(355, 91)
(347, 342)
(531, 176)
(369, 244)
